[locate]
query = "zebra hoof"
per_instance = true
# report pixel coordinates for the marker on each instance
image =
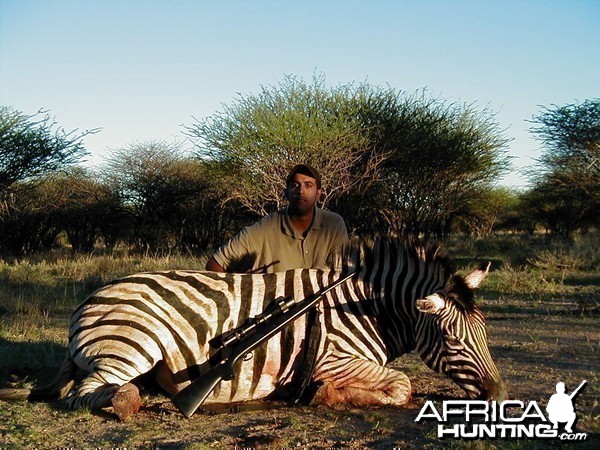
(126, 401)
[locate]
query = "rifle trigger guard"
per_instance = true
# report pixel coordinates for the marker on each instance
(247, 356)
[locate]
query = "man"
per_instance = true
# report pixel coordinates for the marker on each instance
(299, 236)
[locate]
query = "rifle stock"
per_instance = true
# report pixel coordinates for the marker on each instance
(188, 400)
(221, 368)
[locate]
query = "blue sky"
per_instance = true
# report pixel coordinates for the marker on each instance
(142, 69)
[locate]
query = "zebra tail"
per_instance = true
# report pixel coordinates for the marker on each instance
(60, 386)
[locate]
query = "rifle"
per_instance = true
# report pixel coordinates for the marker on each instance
(576, 391)
(235, 344)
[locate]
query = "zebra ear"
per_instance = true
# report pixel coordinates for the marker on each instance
(474, 279)
(430, 304)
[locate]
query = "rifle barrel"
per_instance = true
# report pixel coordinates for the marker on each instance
(576, 391)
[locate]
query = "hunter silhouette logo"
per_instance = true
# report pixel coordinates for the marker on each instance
(560, 407)
(480, 419)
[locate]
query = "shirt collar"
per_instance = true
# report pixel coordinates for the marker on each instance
(287, 227)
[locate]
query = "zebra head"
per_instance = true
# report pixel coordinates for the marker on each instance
(452, 338)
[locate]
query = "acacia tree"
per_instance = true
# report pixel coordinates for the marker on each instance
(570, 135)
(31, 146)
(561, 211)
(492, 209)
(569, 169)
(439, 158)
(140, 174)
(27, 220)
(258, 138)
(168, 196)
(390, 161)
(37, 212)
(83, 207)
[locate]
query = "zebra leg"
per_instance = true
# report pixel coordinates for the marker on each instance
(126, 401)
(96, 392)
(362, 382)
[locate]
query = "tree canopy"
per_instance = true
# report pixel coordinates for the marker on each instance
(260, 137)
(389, 161)
(439, 158)
(167, 198)
(568, 173)
(31, 146)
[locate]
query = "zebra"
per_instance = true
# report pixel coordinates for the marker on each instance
(403, 297)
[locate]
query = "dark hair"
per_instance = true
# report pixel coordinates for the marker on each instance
(304, 169)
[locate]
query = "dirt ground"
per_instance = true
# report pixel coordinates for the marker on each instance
(535, 345)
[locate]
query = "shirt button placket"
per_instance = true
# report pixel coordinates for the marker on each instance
(304, 252)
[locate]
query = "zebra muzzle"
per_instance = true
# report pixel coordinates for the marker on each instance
(494, 389)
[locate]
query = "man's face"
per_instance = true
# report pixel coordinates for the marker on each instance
(302, 193)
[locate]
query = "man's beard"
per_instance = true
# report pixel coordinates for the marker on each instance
(300, 207)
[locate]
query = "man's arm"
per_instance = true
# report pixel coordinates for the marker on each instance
(213, 266)
(340, 235)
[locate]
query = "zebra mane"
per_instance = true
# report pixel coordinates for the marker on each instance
(360, 253)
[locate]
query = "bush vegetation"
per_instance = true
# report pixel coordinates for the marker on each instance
(392, 163)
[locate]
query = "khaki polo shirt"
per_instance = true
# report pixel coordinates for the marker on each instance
(273, 245)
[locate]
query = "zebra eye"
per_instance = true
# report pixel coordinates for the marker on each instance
(454, 343)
